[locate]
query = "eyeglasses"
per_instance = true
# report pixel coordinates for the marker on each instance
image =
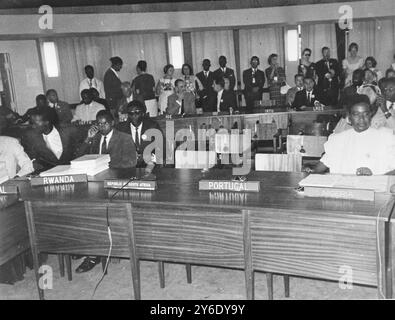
(137, 112)
(307, 55)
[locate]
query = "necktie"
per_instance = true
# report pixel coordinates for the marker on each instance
(182, 106)
(327, 64)
(205, 74)
(90, 83)
(308, 97)
(104, 146)
(137, 139)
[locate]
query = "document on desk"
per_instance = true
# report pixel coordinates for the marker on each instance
(378, 183)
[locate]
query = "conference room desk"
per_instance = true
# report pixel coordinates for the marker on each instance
(14, 239)
(293, 121)
(275, 230)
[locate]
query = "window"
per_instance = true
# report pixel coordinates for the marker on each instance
(292, 45)
(51, 59)
(176, 51)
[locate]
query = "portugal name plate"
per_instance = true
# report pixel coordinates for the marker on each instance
(45, 181)
(131, 185)
(229, 185)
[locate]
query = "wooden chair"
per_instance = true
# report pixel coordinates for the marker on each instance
(53, 227)
(278, 162)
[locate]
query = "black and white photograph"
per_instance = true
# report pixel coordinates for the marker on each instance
(197, 157)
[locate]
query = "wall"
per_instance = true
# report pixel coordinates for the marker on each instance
(26, 71)
(27, 25)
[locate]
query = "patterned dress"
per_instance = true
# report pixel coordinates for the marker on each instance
(275, 86)
(166, 89)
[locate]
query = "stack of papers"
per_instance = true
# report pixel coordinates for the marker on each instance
(90, 165)
(379, 183)
(3, 173)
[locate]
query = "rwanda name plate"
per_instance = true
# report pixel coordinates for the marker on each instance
(71, 178)
(229, 185)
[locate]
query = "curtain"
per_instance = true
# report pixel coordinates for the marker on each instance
(316, 36)
(261, 43)
(76, 52)
(375, 38)
(211, 45)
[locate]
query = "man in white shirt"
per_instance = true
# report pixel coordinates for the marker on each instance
(91, 82)
(17, 162)
(86, 111)
(362, 150)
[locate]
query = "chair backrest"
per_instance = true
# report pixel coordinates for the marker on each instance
(189, 159)
(312, 145)
(278, 162)
(80, 228)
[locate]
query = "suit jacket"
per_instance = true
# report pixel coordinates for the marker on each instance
(64, 112)
(147, 124)
(229, 73)
(112, 88)
(301, 99)
(207, 94)
(173, 108)
(36, 148)
(53, 115)
(291, 93)
(123, 103)
(121, 149)
(322, 69)
(228, 100)
(248, 82)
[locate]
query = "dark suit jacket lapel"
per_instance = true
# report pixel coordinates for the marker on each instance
(44, 151)
(113, 140)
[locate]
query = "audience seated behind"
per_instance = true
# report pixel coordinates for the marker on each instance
(47, 145)
(87, 110)
(308, 97)
(362, 150)
(41, 106)
(299, 86)
(62, 108)
(180, 102)
(225, 99)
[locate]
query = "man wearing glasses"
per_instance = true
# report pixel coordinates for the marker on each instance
(137, 126)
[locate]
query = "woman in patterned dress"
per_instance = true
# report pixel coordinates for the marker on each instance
(165, 87)
(276, 79)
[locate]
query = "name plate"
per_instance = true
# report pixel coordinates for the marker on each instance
(229, 185)
(45, 181)
(339, 193)
(132, 185)
(7, 188)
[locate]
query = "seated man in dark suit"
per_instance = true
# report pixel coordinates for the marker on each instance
(223, 71)
(41, 106)
(207, 94)
(103, 138)
(112, 83)
(225, 99)
(254, 80)
(137, 125)
(47, 145)
(62, 108)
(180, 103)
(307, 97)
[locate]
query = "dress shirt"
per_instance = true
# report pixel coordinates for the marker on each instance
(130, 98)
(93, 83)
(180, 104)
(133, 129)
(88, 112)
(108, 138)
(309, 95)
(206, 73)
(14, 157)
(219, 96)
(349, 150)
(54, 142)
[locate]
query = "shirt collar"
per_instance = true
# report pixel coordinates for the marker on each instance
(134, 128)
(116, 73)
(53, 132)
(220, 92)
(109, 135)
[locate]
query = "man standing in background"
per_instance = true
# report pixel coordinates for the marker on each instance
(207, 94)
(112, 83)
(91, 82)
(224, 72)
(254, 80)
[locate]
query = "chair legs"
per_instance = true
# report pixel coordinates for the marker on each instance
(68, 267)
(269, 281)
(61, 264)
(286, 286)
(189, 272)
(161, 267)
